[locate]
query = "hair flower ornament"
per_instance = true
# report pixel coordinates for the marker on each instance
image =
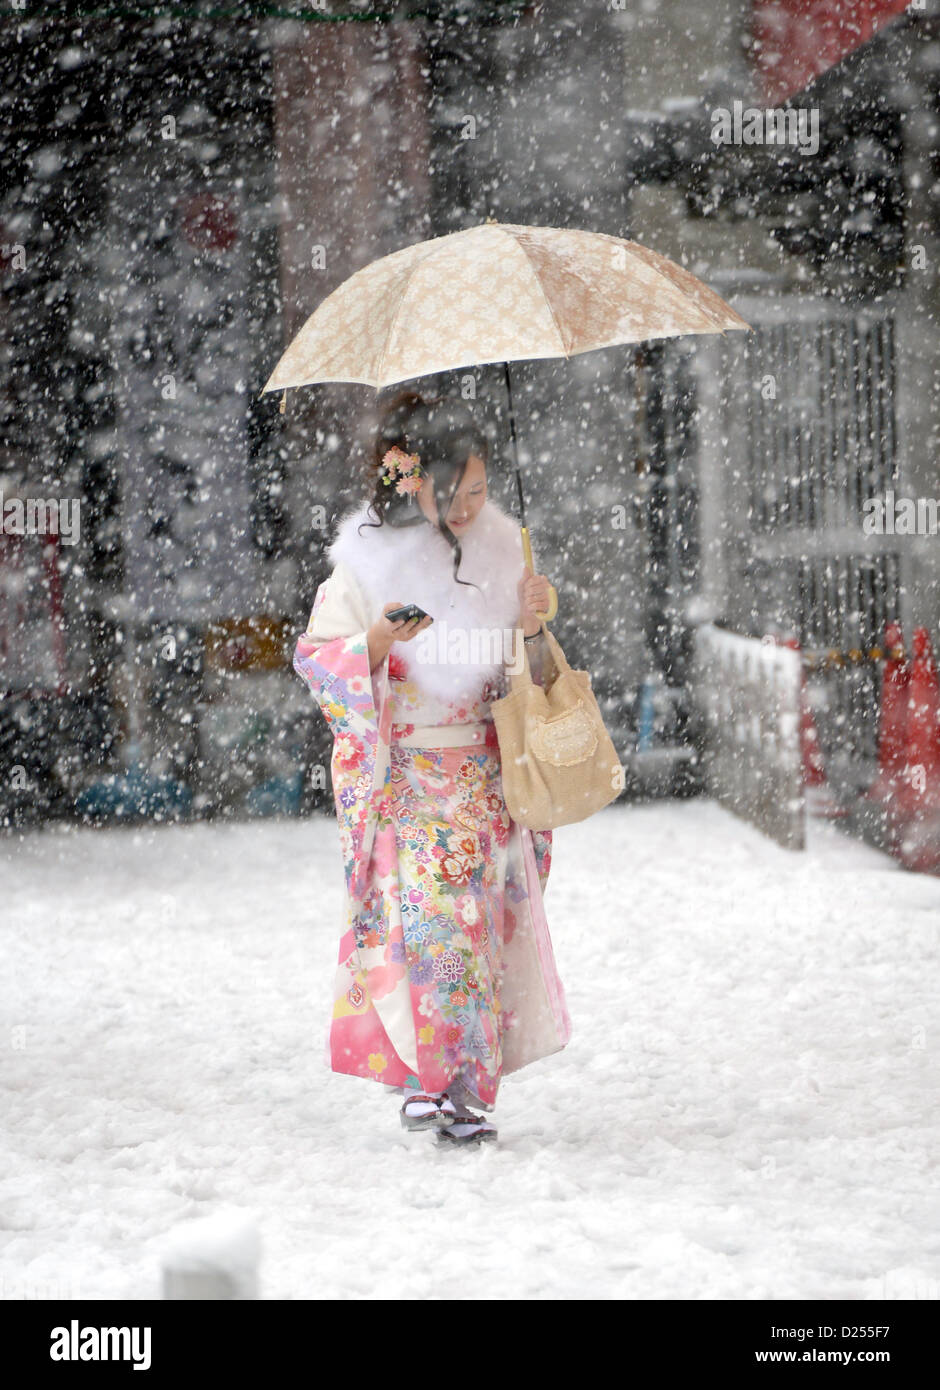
(404, 470)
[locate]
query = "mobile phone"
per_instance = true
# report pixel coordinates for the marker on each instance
(410, 610)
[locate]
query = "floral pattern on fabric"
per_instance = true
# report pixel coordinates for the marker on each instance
(445, 967)
(453, 857)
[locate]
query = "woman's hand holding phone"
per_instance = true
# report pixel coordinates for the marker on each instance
(383, 633)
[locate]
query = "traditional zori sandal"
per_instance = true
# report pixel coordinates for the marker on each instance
(468, 1128)
(443, 1112)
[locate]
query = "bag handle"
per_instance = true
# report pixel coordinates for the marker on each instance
(524, 677)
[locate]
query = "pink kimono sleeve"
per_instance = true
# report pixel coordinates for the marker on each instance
(336, 671)
(334, 664)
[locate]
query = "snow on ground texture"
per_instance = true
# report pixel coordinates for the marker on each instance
(747, 1108)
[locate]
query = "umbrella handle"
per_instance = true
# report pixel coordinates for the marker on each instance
(552, 595)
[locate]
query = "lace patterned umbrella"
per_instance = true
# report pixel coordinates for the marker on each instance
(499, 292)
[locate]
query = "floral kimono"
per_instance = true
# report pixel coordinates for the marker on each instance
(446, 975)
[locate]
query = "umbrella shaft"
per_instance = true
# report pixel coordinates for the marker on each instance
(515, 449)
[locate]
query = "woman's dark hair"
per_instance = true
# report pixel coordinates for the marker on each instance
(443, 433)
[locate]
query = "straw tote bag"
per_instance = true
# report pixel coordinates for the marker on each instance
(558, 760)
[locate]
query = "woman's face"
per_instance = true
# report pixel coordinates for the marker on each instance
(468, 499)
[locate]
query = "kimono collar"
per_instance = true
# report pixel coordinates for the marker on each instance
(414, 564)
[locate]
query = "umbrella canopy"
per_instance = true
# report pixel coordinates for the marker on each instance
(499, 292)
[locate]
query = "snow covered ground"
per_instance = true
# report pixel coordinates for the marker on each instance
(748, 1108)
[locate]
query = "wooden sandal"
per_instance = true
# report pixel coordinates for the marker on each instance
(482, 1132)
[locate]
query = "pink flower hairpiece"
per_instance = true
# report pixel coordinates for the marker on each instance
(404, 470)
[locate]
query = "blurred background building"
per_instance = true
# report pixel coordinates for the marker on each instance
(177, 194)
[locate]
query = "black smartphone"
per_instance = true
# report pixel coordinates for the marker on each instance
(410, 610)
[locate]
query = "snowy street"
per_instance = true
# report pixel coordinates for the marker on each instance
(747, 1108)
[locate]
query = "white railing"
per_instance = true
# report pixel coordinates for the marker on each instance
(748, 696)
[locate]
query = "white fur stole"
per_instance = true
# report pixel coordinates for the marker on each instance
(414, 564)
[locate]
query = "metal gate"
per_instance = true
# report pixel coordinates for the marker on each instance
(798, 431)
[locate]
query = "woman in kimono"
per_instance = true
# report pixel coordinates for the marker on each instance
(446, 978)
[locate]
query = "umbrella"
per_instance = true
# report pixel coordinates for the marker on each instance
(498, 292)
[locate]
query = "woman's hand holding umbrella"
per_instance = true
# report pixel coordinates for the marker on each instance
(534, 593)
